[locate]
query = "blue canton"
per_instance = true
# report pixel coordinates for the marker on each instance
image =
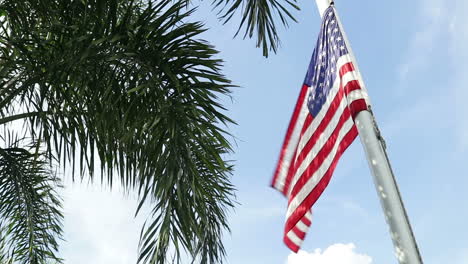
(322, 68)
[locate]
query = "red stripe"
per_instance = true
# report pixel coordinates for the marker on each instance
(351, 86)
(298, 233)
(291, 245)
(307, 123)
(292, 125)
(321, 155)
(346, 68)
(357, 106)
(300, 212)
(306, 221)
(320, 187)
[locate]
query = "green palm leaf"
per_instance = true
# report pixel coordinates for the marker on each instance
(30, 208)
(127, 83)
(258, 18)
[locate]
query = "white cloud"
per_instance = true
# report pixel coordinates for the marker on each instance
(334, 254)
(99, 225)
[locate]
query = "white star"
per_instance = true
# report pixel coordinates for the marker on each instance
(336, 30)
(339, 39)
(321, 55)
(333, 21)
(342, 47)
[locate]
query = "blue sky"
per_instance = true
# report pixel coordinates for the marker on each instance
(412, 55)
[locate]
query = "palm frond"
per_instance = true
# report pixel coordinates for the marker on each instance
(5, 257)
(258, 19)
(30, 209)
(128, 83)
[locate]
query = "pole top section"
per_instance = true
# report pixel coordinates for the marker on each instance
(323, 5)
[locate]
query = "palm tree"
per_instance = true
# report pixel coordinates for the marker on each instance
(126, 91)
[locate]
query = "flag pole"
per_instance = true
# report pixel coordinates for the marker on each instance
(406, 249)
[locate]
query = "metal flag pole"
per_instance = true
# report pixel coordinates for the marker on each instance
(406, 249)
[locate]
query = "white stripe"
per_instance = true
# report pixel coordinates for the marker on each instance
(294, 238)
(355, 95)
(295, 136)
(284, 166)
(301, 226)
(308, 216)
(348, 77)
(354, 76)
(317, 176)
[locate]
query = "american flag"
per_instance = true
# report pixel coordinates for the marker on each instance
(321, 128)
